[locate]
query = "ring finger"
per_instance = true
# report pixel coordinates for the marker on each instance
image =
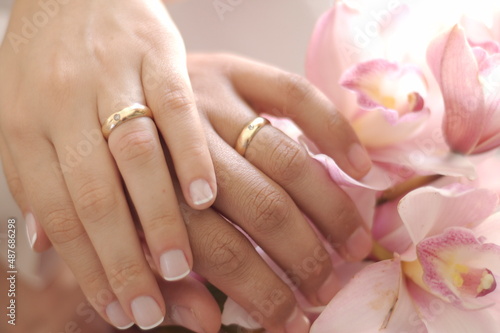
(136, 148)
(268, 214)
(97, 193)
(305, 180)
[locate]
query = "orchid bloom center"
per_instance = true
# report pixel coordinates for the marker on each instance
(395, 99)
(458, 267)
(473, 281)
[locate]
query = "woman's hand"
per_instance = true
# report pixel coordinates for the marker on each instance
(266, 192)
(66, 67)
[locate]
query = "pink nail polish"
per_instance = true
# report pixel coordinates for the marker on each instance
(31, 229)
(359, 244)
(359, 159)
(174, 265)
(328, 289)
(146, 312)
(200, 192)
(298, 322)
(117, 316)
(186, 318)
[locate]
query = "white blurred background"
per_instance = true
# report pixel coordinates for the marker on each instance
(274, 31)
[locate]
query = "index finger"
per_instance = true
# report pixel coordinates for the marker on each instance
(290, 95)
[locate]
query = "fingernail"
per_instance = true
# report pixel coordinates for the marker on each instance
(186, 318)
(31, 229)
(297, 323)
(174, 265)
(118, 317)
(146, 312)
(359, 244)
(329, 288)
(359, 159)
(201, 192)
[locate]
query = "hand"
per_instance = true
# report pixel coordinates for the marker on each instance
(266, 192)
(60, 81)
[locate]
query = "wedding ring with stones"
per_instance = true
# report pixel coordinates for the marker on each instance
(122, 116)
(248, 133)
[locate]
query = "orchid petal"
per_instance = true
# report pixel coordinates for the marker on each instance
(490, 79)
(382, 127)
(444, 208)
(372, 295)
(324, 62)
(365, 201)
(454, 65)
(376, 179)
(382, 83)
(399, 241)
(414, 158)
(487, 166)
(346, 271)
(440, 316)
(489, 229)
(389, 230)
(458, 267)
(234, 314)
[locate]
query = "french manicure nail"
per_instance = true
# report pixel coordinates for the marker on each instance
(359, 159)
(359, 244)
(328, 289)
(201, 192)
(186, 318)
(118, 317)
(146, 312)
(297, 323)
(31, 229)
(174, 265)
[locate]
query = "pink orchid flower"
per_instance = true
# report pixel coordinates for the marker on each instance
(390, 99)
(345, 36)
(370, 61)
(450, 267)
(469, 80)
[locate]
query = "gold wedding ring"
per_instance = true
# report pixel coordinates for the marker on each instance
(248, 133)
(116, 119)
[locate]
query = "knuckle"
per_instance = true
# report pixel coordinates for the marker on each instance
(297, 88)
(95, 200)
(137, 145)
(21, 133)
(123, 273)
(93, 279)
(175, 102)
(160, 223)
(269, 211)
(61, 227)
(334, 121)
(193, 152)
(228, 255)
(60, 75)
(346, 217)
(288, 162)
(275, 307)
(15, 185)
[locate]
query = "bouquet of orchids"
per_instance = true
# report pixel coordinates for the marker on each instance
(420, 82)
